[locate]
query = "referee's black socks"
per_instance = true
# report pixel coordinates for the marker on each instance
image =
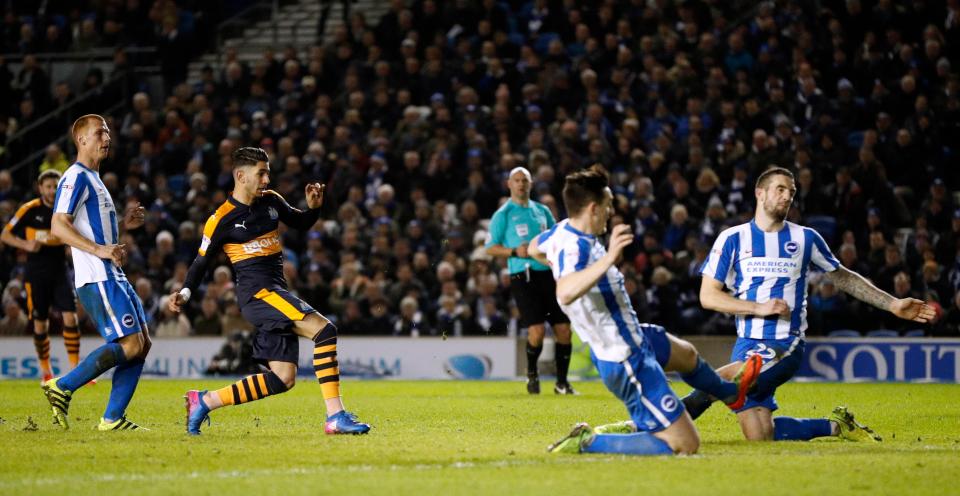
(533, 354)
(562, 354)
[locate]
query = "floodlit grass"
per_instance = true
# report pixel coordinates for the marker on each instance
(444, 438)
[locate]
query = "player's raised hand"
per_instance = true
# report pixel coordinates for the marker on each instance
(620, 238)
(314, 192)
(175, 302)
(912, 309)
(773, 306)
(134, 216)
(115, 253)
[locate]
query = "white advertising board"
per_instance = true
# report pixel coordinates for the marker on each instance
(384, 357)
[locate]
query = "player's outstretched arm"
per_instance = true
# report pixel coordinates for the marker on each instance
(574, 285)
(860, 288)
(713, 297)
(62, 227)
(296, 218)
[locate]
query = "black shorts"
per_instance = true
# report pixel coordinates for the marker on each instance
(537, 298)
(45, 289)
(273, 313)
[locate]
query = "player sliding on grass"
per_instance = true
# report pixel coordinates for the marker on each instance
(85, 218)
(765, 263)
(628, 354)
(245, 228)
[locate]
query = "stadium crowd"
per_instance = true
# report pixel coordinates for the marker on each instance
(413, 120)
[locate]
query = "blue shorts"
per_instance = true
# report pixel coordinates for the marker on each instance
(657, 337)
(781, 359)
(641, 385)
(114, 308)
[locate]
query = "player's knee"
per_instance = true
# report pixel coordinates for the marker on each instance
(69, 319)
(687, 444)
(132, 346)
(688, 353)
(327, 335)
(145, 348)
(279, 383)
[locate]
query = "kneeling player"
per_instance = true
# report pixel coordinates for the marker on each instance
(591, 292)
(245, 228)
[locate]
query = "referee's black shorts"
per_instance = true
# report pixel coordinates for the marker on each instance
(537, 298)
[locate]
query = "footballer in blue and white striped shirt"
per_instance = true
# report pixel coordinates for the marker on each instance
(84, 217)
(759, 272)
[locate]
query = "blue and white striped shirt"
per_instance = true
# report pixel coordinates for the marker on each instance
(603, 317)
(758, 266)
(82, 194)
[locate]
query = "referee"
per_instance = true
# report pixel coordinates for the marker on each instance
(512, 228)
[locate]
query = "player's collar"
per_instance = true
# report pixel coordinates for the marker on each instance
(576, 231)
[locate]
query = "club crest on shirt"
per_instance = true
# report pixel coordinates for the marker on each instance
(273, 213)
(668, 403)
(791, 247)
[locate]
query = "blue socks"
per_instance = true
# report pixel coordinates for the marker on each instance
(794, 429)
(704, 378)
(97, 362)
(638, 443)
(125, 379)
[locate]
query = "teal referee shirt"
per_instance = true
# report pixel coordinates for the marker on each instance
(513, 225)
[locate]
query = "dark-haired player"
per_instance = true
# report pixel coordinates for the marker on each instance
(245, 227)
(46, 274)
(766, 264)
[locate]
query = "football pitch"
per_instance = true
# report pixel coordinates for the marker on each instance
(446, 438)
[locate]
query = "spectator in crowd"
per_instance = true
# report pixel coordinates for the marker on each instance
(207, 322)
(14, 321)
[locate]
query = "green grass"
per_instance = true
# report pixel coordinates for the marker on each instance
(445, 438)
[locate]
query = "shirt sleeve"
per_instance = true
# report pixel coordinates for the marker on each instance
(210, 243)
(719, 261)
(294, 217)
(820, 255)
(14, 224)
(73, 191)
(497, 229)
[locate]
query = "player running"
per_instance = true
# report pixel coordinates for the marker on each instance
(46, 272)
(84, 217)
(245, 227)
(766, 264)
(591, 291)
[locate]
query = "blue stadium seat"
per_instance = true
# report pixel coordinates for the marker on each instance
(843, 333)
(883, 333)
(914, 333)
(825, 225)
